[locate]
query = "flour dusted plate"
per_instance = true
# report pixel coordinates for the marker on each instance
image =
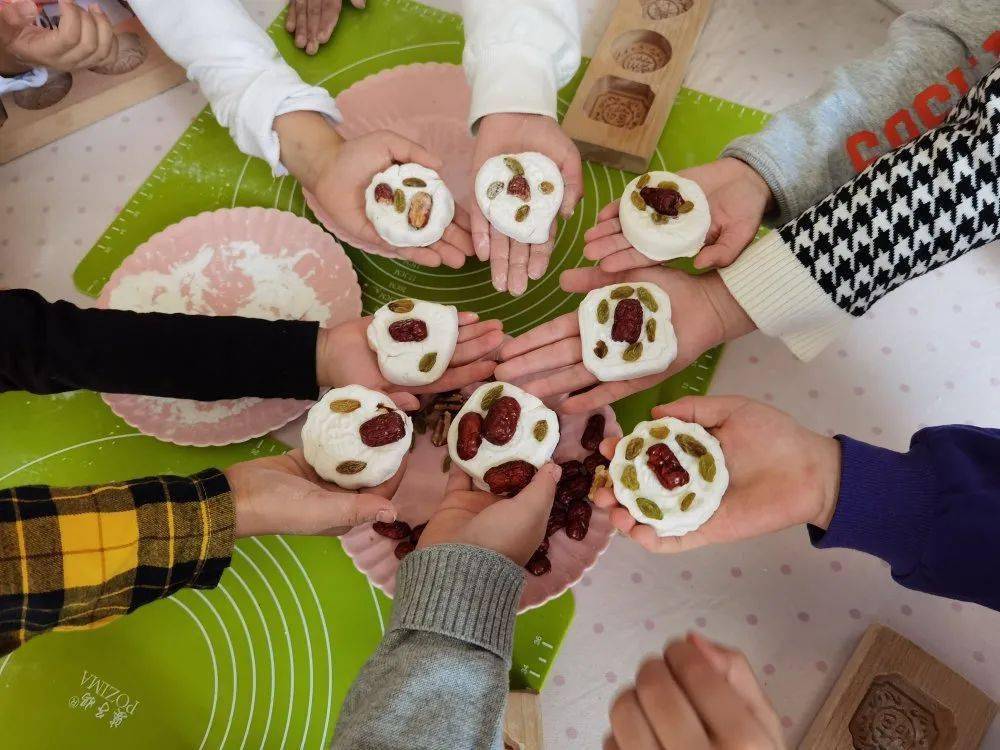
(254, 262)
(423, 488)
(425, 102)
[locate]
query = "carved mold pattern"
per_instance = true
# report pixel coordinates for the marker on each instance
(894, 715)
(657, 10)
(642, 57)
(619, 109)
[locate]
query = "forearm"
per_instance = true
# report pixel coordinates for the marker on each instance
(237, 67)
(52, 347)
(933, 513)
(439, 678)
(79, 557)
(913, 210)
(518, 54)
(873, 105)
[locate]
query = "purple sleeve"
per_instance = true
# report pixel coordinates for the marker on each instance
(933, 513)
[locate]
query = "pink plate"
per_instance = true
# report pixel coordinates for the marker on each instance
(425, 102)
(422, 489)
(292, 270)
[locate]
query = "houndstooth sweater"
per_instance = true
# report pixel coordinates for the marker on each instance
(911, 211)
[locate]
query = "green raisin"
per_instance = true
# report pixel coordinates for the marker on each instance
(490, 396)
(401, 306)
(494, 190)
(399, 201)
(634, 448)
(427, 362)
(603, 311)
(540, 430)
(513, 165)
(649, 508)
(691, 446)
(633, 352)
(643, 181)
(601, 350)
(659, 218)
(685, 208)
(522, 213)
(660, 433)
(345, 405)
(546, 187)
(351, 467)
(629, 478)
(706, 467)
(651, 330)
(637, 200)
(686, 501)
(622, 292)
(646, 298)
(414, 182)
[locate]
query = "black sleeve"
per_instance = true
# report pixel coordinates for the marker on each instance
(49, 347)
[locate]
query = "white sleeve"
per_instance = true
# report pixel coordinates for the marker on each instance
(518, 53)
(29, 80)
(238, 68)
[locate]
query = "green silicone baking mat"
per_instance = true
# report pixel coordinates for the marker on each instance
(266, 659)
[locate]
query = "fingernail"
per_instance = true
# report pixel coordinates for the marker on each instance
(385, 516)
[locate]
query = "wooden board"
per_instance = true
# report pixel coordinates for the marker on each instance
(623, 101)
(523, 722)
(893, 695)
(92, 97)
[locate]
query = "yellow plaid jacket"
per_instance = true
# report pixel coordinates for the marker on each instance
(77, 558)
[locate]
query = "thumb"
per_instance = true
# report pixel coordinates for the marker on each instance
(14, 17)
(348, 510)
(708, 411)
(541, 491)
(572, 174)
(403, 150)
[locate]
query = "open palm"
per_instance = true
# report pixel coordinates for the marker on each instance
(780, 473)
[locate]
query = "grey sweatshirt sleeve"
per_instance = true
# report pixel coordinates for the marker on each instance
(439, 678)
(872, 106)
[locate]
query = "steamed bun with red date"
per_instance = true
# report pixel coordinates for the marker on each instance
(414, 340)
(664, 216)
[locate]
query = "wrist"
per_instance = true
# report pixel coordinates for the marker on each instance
(246, 523)
(733, 321)
(326, 377)
(825, 470)
(754, 182)
(308, 144)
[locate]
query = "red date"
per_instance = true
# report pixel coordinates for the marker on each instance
(557, 520)
(593, 433)
(403, 549)
(574, 488)
(396, 530)
(417, 531)
(628, 321)
(538, 565)
(594, 460)
(501, 420)
(664, 201)
(577, 530)
(383, 193)
(519, 187)
(383, 429)
(664, 464)
(506, 480)
(408, 329)
(543, 548)
(470, 435)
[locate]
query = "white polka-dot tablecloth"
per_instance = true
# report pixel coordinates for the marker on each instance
(929, 354)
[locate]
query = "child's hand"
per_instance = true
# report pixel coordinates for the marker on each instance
(83, 39)
(513, 527)
(513, 263)
(343, 356)
(313, 21)
(337, 173)
(284, 495)
(738, 198)
(698, 696)
(780, 474)
(703, 313)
